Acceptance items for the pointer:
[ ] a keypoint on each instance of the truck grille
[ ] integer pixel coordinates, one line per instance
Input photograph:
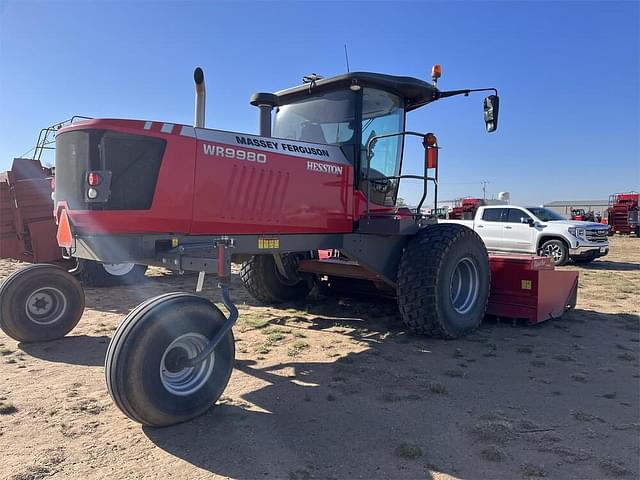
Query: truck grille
(596, 234)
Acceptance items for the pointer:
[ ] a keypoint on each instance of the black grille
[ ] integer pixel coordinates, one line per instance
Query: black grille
(133, 160)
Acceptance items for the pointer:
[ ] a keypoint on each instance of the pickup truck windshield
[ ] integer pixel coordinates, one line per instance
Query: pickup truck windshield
(545, 214)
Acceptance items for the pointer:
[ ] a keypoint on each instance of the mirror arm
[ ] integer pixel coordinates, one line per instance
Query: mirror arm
(385, 135)
(465, 92)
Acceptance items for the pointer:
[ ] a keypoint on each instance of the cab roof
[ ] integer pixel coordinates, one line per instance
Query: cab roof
(415, 92)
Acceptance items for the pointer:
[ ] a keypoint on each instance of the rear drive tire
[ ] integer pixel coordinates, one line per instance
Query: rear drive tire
(40, 302)
(556, 249)
(444, 281)
(96, 274)
(264, 283)
(137, 376)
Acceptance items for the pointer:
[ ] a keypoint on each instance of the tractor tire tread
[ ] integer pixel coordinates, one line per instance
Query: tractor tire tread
(419, 274)
(259, 279)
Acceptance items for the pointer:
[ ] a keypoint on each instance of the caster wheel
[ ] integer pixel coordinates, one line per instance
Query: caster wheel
(39, 303)
(142, 368)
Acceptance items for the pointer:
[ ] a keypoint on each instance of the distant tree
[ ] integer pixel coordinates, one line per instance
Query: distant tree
(400, 202)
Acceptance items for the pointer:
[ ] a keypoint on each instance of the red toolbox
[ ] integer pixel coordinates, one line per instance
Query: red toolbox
(529, 287)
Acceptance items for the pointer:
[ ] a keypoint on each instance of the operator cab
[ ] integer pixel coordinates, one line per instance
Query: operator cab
(363, 113)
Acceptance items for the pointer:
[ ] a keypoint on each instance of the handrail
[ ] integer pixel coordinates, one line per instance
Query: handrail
(425, 177)
(43, 137)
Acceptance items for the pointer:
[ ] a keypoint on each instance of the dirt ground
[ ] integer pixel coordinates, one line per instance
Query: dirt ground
(334, 388)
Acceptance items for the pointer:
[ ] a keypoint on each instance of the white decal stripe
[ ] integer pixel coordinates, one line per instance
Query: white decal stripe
(147, 125)
(167, 128)
(188, 131)
(279, 145)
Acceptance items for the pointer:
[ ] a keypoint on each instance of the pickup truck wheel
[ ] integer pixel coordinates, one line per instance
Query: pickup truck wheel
(39, 303)
(143, 368)
(264, 283)
(443, 281)
(96, 274)
(556, 249)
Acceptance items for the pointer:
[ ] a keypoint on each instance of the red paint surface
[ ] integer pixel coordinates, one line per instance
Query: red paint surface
(547, 298)
(207, 194)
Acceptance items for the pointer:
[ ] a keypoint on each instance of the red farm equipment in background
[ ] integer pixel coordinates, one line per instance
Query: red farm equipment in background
(27, 224)
(623, 213)
(466, 208)
(581, 215)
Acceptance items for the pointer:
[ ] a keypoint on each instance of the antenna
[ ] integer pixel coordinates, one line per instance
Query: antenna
(484, 189)
(346, 57)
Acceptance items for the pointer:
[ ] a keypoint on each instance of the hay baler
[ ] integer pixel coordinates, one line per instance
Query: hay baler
(27, 222)
(323, 173)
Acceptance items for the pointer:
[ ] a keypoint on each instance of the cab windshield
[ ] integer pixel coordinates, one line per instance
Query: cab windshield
(326, 119)
(330, 119)
(545, 214)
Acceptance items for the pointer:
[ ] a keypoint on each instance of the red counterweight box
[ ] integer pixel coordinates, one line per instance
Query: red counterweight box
(528, 287)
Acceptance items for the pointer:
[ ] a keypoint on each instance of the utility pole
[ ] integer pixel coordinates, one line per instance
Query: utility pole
(484, 189)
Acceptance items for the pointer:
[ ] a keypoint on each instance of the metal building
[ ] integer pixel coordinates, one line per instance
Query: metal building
(564, 207)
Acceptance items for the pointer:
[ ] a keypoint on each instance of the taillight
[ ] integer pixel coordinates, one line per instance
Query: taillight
(93, 179)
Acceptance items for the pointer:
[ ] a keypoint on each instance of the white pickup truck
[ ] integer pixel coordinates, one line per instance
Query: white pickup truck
(537, 230)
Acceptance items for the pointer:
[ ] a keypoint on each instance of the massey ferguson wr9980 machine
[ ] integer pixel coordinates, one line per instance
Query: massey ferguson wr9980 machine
(195, 199)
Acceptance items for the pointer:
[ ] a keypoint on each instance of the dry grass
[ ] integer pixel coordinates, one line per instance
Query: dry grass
(530, 470)
(409, 450)
(7, 408)
(492, 454)
(614, 467)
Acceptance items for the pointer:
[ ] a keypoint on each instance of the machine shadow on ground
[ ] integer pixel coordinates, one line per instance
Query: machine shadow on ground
(75, 350)
(607, 265)
(470, 412)
(320, 421)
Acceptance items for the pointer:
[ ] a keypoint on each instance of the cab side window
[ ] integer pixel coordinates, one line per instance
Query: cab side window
(516, 216)
(494, 215)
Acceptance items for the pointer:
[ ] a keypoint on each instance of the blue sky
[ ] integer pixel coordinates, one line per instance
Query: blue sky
(567, 72)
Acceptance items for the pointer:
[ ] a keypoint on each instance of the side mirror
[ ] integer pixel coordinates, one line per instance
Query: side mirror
(529, 221)
(491, 109)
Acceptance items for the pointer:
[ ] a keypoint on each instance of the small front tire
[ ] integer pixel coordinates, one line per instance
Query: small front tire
(138, 369)
(40, 302)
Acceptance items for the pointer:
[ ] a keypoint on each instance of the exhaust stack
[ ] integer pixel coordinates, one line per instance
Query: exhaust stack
(198, 78)
(265, 103)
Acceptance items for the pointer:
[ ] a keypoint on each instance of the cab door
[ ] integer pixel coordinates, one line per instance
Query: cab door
(518, 235)
(381, 158)
(490, 227)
